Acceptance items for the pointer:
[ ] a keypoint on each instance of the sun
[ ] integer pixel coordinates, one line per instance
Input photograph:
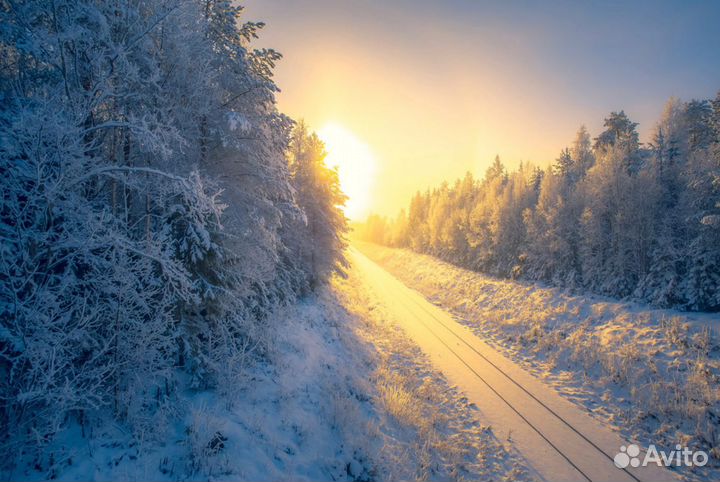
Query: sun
(356, 165)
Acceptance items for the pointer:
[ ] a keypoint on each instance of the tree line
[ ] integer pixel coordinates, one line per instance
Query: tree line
(156, 208)
(610, 215)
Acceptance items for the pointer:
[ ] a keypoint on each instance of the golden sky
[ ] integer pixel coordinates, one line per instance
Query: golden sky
(420, 92)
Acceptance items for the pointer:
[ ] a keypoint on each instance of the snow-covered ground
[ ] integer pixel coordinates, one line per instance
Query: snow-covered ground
(426, 428)
(654, 374)
(343, 394)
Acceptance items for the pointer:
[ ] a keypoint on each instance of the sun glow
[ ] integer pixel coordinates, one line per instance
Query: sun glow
(356, 165)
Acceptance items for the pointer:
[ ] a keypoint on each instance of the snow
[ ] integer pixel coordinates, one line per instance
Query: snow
(342, 394)
(429, 429)
(294, 418)
(653, 374)
(238, 122)
(558, 440)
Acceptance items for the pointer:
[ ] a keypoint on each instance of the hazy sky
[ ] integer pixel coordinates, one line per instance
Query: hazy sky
(435, 88)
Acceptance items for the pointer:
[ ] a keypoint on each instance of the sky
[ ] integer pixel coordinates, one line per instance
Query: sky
(407, 94)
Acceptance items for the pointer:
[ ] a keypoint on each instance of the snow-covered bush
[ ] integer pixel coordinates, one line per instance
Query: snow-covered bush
(205, 444)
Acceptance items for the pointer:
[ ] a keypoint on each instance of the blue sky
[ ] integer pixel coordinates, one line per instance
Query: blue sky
(444, 86)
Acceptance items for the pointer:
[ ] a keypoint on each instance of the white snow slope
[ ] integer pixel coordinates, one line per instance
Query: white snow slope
(652, 374)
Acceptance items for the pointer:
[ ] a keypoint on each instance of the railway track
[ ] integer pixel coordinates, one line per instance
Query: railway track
(560, 441)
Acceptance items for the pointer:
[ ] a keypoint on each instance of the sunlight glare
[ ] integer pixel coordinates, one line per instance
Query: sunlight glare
(356, 165)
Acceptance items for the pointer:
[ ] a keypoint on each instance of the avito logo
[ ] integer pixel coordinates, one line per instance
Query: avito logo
(680, 457)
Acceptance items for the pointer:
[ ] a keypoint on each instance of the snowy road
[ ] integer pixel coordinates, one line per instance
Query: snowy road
(559, 441)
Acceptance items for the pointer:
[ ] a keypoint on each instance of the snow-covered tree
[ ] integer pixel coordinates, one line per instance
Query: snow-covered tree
(581, 152)
(614, 217)
(145, 191)
(320, 236)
